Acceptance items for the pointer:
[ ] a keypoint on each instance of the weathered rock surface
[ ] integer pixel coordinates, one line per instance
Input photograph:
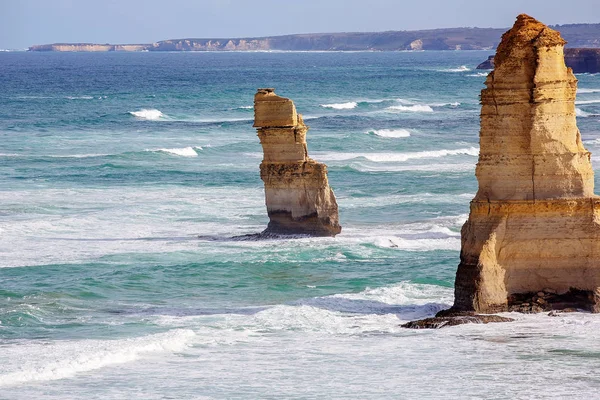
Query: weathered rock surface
(534, 224)
(298, 197)
(579, 60)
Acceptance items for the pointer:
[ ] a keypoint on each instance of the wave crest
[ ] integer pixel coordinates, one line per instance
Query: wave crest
(587, 90)
(390, 133)
(341, 106)
(150, 114)
(580, 113)
(183, 151)
(462, 68)
(413, 108)
(400, 157)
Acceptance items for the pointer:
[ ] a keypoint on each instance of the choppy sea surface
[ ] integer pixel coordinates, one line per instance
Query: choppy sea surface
(123, 178)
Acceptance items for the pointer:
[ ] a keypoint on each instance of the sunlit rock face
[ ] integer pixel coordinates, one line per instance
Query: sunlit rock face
(298, 197)
(534, 222)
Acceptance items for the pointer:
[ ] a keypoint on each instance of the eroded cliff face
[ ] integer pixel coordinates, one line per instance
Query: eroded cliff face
(534, 223)
(298, 197)
(88, 47)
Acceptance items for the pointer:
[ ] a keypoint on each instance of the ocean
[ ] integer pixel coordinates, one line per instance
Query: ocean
(125, 177)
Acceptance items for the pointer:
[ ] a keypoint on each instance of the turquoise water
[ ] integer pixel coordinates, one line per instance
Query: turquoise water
(123, 178)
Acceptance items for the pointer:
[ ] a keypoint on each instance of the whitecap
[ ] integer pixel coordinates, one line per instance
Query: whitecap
(588, 90)
(183, 151)
(413, 108)
(452, 104)
(65, 359)
(479, 74)
(428, 167)
(245, 107)
(341, 106)
(399, 157)
(580, 113)
(151, 114)
(390, 133)
(80, 97)
(462, 68)
(588, 101)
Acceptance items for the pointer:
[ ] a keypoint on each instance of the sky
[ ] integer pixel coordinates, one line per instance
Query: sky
(27, 22)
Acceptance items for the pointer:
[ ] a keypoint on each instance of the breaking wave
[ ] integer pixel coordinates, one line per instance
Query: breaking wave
(341, 106)
(48, 362)
(588, 90)
(478, 74)
(399, 157)
(390, 133)
(583, 114)
(413, 108)
(151, 114)
(183, 151)
(462, 68)
(587, 101)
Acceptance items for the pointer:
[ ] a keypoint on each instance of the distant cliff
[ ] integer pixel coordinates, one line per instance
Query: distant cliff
(89, 47)
(578, 35)
(580, 60)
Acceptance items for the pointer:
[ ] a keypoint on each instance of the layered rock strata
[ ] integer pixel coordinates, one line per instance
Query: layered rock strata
(534, 224)
(298, 197)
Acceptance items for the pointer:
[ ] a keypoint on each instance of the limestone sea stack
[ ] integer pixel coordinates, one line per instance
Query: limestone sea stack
(534, 224)
(298, 197)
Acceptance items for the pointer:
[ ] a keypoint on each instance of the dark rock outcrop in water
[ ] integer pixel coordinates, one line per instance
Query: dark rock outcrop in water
(580, 60)
(442, 320)
(578, 35)
(298, 197)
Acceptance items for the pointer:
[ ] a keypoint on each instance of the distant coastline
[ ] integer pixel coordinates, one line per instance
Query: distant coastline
(578, 35)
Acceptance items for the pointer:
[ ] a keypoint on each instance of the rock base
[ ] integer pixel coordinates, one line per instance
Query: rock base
(282, 223)
(450, 318)
(549, 300)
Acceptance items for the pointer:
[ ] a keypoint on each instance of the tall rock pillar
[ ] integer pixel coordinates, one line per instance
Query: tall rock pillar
(534, 223)
(298, 197)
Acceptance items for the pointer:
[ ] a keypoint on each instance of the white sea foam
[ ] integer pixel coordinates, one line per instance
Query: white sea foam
(403, 293)
(375, 310)
(390, 133)
(183, 151)
(588, 90)
(413, 108)
(587, 101)
(246, 107)
(80, 97)
(399, 157)
(341, 106)
(580, 113)
(462, 68)
(419, 244)
(428, 167)
(395, 199)
(479, 74)
(453, 104)
(48, 361)
(151, 114)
